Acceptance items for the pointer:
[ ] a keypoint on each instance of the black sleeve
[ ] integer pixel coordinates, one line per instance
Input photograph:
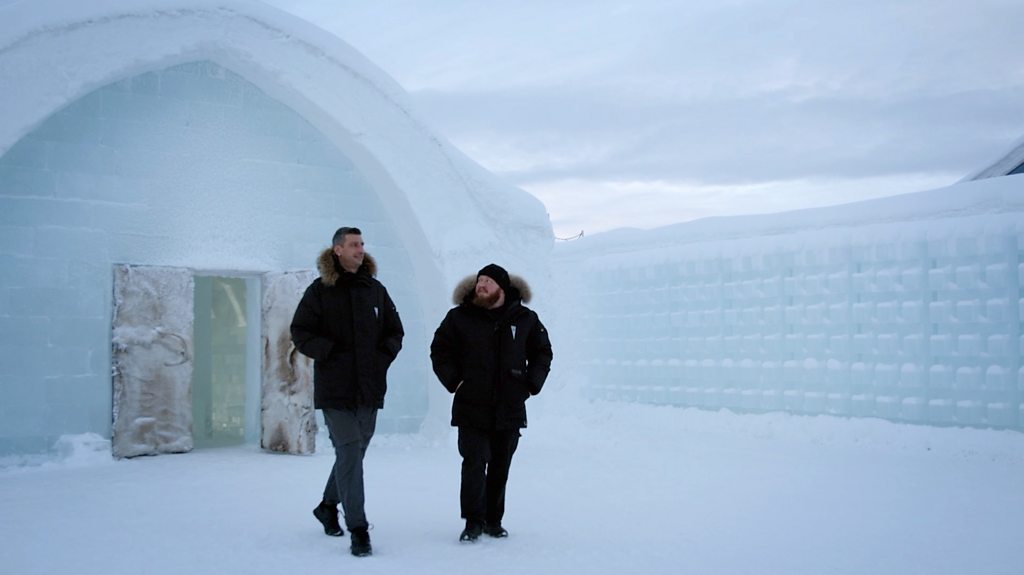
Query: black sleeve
(306, 325)
(539, 355)
(392, 331)
(444, 355)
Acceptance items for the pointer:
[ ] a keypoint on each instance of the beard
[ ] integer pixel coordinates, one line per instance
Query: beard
(486, 301)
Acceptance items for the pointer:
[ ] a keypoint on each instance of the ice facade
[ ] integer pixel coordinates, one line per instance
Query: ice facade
(189, 166)
(906, 308)
(229, 139)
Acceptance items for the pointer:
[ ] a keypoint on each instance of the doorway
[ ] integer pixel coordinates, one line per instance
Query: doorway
(226, 371)
(206, 360)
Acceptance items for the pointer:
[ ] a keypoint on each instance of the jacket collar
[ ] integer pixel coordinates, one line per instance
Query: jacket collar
(330, 269)
(464, 289)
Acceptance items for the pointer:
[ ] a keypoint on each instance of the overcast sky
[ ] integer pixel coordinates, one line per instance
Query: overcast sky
(639, 114)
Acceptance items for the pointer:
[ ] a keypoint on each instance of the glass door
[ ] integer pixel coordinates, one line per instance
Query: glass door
(222, 337)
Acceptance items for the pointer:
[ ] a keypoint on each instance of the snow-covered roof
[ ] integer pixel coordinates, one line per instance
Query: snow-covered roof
(53, 52)
(845, 223)
(1005, 165)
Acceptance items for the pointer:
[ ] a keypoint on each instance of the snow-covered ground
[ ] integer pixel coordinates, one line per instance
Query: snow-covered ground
(595, 488)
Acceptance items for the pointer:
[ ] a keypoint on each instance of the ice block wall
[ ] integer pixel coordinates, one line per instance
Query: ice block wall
(906, 309)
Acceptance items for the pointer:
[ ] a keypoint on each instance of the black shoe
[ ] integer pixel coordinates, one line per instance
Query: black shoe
(361, 542)
(328, 515)
(472, 531)
(495, 530)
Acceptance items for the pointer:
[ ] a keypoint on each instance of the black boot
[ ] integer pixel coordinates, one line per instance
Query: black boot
(472, 531)
(327, 514)
(360, 542)
(495, 530)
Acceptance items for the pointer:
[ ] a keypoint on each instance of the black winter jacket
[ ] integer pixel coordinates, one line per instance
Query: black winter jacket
(492, 360)
(348, 324)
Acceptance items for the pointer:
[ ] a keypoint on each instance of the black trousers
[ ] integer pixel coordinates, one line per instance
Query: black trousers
(486, 458)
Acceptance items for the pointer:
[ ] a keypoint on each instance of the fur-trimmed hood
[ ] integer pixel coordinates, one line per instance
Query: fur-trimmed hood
(330, 269)
(466, 286)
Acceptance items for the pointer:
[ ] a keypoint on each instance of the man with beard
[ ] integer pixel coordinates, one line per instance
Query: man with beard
(492, 353)
(348, 324)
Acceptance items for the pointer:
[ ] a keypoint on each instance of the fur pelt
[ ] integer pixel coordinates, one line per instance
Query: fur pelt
(329, 267)
(468, 284)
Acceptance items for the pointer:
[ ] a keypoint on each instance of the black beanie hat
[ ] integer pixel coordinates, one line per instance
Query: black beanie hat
(498, 274)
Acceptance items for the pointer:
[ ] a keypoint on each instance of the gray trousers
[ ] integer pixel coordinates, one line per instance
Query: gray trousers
(350, 431)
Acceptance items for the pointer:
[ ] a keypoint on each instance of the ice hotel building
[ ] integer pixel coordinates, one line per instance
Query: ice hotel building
(170, 169)
(169, 172)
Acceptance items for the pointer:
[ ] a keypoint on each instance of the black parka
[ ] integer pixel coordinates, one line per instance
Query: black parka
(492, 360)
(348, 324)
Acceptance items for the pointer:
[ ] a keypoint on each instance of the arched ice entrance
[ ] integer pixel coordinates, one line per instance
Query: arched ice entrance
(228, 139)
(189, 182)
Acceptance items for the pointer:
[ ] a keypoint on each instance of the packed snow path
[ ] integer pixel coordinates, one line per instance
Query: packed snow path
(595, 488)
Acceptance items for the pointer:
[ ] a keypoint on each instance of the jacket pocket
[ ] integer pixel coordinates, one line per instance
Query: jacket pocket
(474, 391)
(337, 368)
(519, 385)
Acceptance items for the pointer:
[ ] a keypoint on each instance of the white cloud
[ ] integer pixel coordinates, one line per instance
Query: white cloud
(726, 95)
